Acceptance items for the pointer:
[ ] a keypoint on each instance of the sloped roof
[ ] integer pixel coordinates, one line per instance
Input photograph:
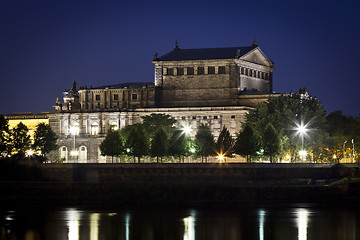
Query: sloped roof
(179, 54)
(127, 85)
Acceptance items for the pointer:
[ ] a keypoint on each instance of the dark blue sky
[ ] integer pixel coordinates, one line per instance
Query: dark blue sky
(45, 45)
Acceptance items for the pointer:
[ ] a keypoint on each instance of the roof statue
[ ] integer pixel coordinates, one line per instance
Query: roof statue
(176, 45)
(254, 43)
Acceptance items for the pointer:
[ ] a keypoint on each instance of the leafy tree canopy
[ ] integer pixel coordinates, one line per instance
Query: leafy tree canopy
(113, 144)
(204, 141)
(44, 139)
(247, 143)
(159, 144)
(154, 122)
(20, 138)
(225, 143)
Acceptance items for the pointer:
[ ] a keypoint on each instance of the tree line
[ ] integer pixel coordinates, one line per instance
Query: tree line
(16, 142)
(157, 137)
(270, 133)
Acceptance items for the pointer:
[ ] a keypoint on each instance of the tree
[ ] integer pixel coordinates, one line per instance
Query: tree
(225, 143)
(178, 143)
(247, 143)
(154, 122)
(137, 141)
(271, 142)
(159, 144)
(113, 144)
(4, 136)
(204, 141)
(20, 139)
(284, 113)
(44, 139)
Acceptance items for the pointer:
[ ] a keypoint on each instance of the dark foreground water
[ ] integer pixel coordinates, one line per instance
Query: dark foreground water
(170, 223)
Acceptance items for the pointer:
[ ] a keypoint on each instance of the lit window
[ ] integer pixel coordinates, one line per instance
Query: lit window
(94, 129)
(211, 70)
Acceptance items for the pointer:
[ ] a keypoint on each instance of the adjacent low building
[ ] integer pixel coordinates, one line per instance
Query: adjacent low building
(214, 86)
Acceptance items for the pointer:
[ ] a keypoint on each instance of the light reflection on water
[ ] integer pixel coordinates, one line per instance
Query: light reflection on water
(302, 223)
(183, 224)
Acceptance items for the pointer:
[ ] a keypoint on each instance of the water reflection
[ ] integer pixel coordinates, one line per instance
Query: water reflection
(177, 223)
(261, 224)
(73, 218)
(94, 226)
(127, 225)
(302, 223)
(189, 227)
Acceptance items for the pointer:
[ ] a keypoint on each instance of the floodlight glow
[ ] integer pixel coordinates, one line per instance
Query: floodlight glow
(74, 153)
(186, 129)
(29, 152)
(302, 129)
(74, 130)
(192, 150)
(221, 157)
(302, 153)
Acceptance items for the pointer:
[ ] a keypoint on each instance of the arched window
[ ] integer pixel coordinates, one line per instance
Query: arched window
(63, 153)
(94, 129)
(82, 154)
(114, 126)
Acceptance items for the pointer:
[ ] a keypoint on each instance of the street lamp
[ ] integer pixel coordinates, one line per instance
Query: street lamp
(186, 129)
(301, 129)
(352, 140)
(344, 150)
(74, 130)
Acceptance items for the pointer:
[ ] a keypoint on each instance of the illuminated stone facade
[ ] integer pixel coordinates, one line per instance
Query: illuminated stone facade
(28, 119)
(212, 86)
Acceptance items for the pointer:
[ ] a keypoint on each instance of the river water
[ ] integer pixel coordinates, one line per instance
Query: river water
(201, 223)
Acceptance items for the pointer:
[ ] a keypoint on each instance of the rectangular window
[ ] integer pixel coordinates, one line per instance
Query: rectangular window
(242, 70)
(180, 71)
(183, 118)
(204, 117)
(194, 117)
(211, 70)
(201, 70)
(221, 70)
(170, 71)
(134, 96)
(116, 97)
(190, 71)
(97, 97)
(215, 117)
(233, 116)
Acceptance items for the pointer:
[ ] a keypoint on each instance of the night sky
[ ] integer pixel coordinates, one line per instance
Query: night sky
(46, 45)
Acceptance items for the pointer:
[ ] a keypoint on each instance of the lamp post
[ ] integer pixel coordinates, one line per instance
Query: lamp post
(344, 158)
(74, 130)
(301, 129)
(352, 140)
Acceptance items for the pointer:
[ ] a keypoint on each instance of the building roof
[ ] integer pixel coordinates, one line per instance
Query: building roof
(179, 54)
(127, 85)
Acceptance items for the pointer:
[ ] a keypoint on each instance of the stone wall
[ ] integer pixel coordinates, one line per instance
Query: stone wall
(215, 174)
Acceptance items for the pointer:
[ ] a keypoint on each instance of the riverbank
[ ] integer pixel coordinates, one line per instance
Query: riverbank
(184, 184)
